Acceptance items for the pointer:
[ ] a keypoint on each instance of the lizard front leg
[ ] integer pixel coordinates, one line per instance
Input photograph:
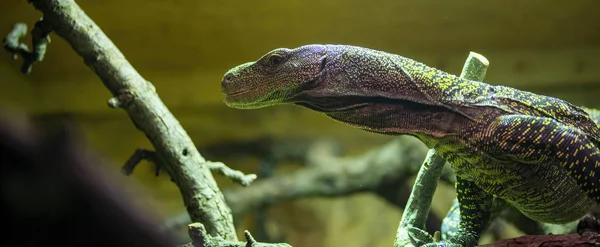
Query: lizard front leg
(451, 222)
(474, 206)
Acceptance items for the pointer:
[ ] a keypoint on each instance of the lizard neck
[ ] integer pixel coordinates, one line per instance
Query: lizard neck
(391, 117)
(391, 94)
(444, 88)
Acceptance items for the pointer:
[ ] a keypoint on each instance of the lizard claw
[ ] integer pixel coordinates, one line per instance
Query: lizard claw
(419, 237)
(442, 243)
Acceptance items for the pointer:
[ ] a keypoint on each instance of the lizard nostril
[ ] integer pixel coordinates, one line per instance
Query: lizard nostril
(227, 78)
(226, 83)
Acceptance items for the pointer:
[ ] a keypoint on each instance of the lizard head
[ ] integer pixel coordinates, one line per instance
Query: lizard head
(275, 78)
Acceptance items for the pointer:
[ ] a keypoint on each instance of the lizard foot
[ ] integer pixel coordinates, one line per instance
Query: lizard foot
(588, 224)
(442, 243)
(419, 237)
(451, 243)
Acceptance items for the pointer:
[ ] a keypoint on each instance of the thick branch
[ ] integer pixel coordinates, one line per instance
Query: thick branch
(571, 240)
(201, 239)
(188, 169)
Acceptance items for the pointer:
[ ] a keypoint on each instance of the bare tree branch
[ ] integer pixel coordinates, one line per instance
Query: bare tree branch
(201, 239)
(188, 169)
(335, 176)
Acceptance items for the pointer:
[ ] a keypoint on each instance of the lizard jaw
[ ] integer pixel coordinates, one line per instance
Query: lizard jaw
(242, 99)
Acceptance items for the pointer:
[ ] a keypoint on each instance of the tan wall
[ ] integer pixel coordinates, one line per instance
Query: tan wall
(184, 47)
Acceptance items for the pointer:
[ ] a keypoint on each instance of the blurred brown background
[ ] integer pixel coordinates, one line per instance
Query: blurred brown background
(184, 47)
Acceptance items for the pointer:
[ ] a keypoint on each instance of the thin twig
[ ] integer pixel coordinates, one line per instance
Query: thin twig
(139, 155)
(418, 205)
(234, 175)
(40, 36)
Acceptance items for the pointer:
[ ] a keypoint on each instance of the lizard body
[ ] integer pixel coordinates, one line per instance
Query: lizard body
(538, 153)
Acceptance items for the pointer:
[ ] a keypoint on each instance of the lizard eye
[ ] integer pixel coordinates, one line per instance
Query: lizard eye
(275, 60)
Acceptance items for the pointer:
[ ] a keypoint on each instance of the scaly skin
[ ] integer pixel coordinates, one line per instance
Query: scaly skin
(538, 153)
(451, 222)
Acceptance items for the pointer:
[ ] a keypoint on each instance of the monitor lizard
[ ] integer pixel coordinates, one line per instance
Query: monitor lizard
(538, 153)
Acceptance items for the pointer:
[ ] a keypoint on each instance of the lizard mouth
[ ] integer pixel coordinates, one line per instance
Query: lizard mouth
(240, 93)
(237, 93)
